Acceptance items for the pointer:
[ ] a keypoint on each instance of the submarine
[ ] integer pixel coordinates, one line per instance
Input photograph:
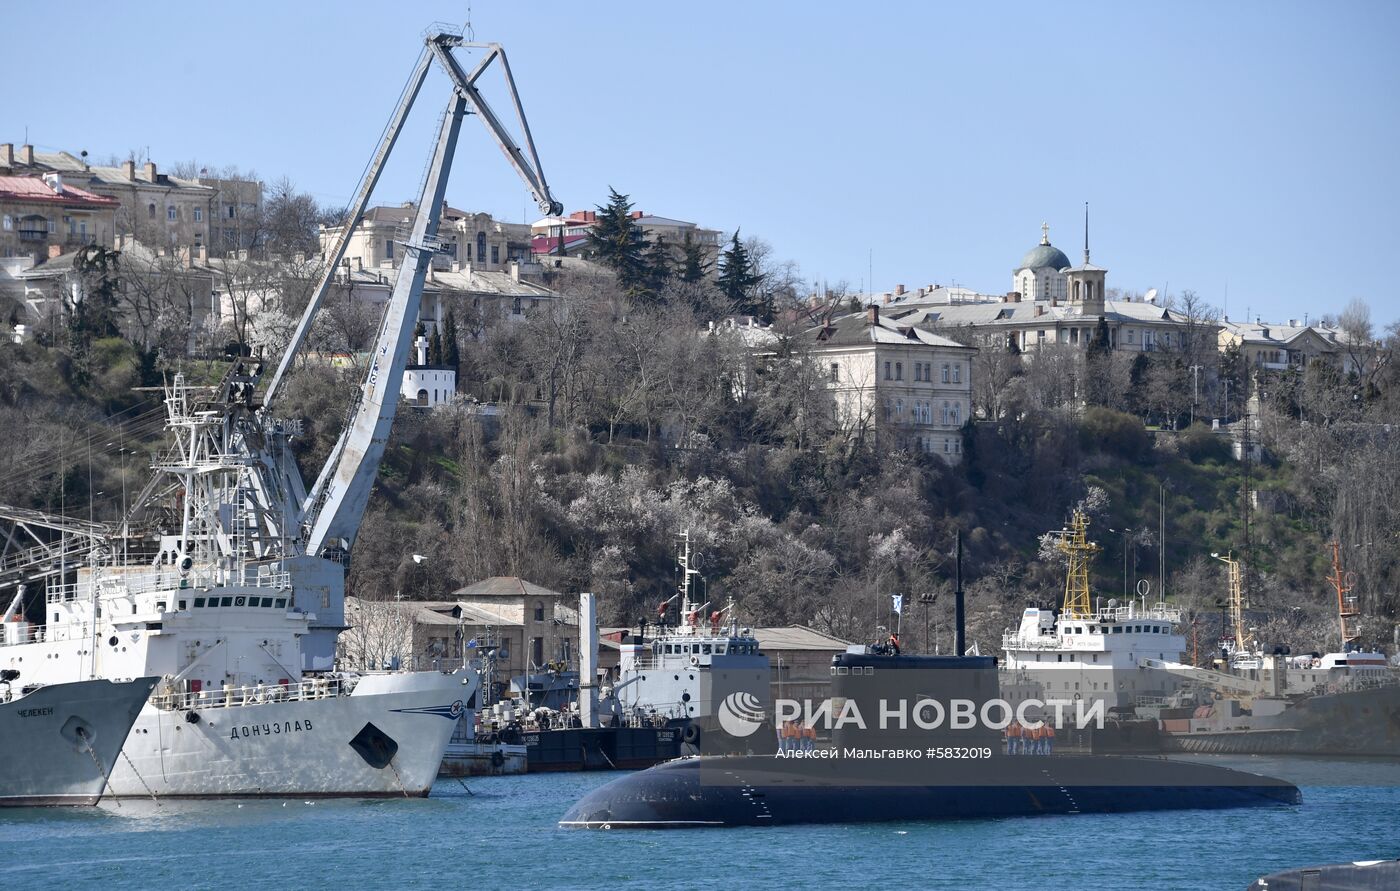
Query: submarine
(904, 766)
(774, 789)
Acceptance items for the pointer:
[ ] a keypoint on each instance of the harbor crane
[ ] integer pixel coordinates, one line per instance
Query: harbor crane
(329, 512)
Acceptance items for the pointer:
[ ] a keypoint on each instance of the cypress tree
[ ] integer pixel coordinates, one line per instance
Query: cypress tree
(452, 353)
(1099, 345)
(659, 268)
(694, 266)
(435, 348)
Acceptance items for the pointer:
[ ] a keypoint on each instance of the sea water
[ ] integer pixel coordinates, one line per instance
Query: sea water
(500, 832)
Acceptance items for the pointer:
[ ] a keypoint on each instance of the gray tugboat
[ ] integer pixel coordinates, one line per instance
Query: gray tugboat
(58, 743)
(664, 699)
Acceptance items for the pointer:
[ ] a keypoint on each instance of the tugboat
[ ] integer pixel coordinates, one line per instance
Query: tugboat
(899, 771)
(664, 698)
(684, 671)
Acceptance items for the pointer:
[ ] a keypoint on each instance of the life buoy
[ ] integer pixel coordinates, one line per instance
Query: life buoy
(497, 759)
(691, 734)
(1077, 697)
(694, 660)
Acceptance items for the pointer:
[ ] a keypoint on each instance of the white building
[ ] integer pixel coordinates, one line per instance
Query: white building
(905, 382)
(427, 386)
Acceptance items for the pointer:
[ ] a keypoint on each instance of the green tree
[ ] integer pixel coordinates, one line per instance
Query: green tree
(435, 348)
(94, 313)
(739, 281)
(694, 266)
(451, 349)
(616, 240)
(1098, 356)
(1100, 345)
(660, 268)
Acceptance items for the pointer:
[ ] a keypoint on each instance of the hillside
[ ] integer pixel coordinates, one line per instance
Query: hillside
(798, 524)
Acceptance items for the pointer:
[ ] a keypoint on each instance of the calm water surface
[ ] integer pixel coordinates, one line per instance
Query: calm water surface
(500, 832)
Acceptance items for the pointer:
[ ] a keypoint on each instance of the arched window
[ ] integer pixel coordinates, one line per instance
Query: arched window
(1076, 290)
(151, 211)
(481, 247)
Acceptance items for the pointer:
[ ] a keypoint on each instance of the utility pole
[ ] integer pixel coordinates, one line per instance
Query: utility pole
(1195, 389)
(1162, 540)
(959, 630)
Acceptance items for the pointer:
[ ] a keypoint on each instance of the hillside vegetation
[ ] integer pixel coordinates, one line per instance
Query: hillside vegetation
(614, 425)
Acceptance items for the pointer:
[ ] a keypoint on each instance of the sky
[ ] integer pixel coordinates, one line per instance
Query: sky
(1243, 150)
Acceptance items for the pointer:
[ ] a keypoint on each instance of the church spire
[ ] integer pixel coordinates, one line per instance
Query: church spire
(1086, 233)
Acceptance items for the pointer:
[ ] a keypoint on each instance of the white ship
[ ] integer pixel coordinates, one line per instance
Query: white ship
(1088, 651)
(243, 706)
(226, 577)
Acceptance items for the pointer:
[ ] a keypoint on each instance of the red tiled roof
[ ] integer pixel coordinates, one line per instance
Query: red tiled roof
(547, 244)
(33, 190)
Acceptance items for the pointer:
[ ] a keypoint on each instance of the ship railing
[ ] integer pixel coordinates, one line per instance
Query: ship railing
(174, 580)
(11, 634)
(255, 694)
(1159, 611)
(670, 661)
(1017, 642)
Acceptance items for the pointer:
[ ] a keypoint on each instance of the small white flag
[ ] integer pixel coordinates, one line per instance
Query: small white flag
(898, 603)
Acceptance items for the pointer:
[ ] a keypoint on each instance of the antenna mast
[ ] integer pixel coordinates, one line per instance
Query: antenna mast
(1342, 583)
(1074, 542)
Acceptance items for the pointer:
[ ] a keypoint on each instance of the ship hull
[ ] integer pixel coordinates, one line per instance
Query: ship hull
(304, 748)
(767, 791)
(45, 761)
(1359, 722)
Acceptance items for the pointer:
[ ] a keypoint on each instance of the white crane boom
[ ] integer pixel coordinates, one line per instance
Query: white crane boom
(334, 506)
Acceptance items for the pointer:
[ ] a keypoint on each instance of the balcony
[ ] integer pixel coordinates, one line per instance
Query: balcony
(33, 234)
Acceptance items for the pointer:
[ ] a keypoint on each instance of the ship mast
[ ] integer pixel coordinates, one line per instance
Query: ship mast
(1236, 599)
(1342, 583)
(1074, 542)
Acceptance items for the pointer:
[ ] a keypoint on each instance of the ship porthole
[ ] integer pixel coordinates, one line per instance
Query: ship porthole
(112, 641)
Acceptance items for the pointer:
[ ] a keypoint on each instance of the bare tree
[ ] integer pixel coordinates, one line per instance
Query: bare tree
(378, 633)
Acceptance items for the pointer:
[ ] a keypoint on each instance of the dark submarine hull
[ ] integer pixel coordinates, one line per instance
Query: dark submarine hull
(719, 791)
(899, 770)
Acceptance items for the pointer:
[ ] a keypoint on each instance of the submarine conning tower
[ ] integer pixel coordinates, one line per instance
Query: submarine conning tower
(886, 690)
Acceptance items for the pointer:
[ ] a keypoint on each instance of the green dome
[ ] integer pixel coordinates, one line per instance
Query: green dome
(1042, 256)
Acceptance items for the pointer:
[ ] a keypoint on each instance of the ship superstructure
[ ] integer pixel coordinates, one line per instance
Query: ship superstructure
(685, 670)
